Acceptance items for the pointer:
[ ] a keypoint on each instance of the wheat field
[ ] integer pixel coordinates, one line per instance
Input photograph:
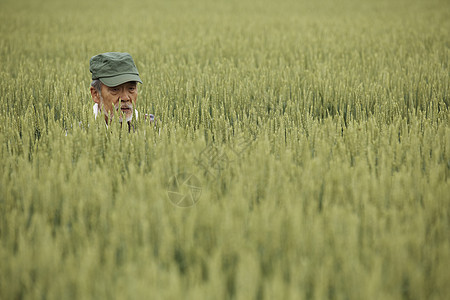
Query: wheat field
(310, 139)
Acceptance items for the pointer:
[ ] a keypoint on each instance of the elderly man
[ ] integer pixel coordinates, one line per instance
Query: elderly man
(114, 86)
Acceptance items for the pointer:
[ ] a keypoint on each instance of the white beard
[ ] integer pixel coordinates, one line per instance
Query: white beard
(96, 109)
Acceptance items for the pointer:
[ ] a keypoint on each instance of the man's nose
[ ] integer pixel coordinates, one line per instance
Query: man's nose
(125, 96)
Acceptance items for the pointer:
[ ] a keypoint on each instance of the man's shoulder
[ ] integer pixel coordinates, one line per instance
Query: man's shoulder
(149, 117)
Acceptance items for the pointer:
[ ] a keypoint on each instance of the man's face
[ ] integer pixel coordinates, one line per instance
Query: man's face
(119, 99)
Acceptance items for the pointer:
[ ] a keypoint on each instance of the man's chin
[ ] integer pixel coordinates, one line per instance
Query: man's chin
(128, 117)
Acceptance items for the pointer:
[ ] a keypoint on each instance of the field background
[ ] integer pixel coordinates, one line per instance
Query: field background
(339, 111)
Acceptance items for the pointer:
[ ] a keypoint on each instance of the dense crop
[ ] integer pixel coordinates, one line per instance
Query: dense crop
(318, 132)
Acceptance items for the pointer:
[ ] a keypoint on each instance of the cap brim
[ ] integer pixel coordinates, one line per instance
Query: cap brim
(119, 79)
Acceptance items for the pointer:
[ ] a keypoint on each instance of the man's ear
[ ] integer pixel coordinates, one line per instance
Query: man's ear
(95, 95)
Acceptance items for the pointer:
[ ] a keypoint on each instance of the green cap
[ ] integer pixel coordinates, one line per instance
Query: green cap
(113, 68)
